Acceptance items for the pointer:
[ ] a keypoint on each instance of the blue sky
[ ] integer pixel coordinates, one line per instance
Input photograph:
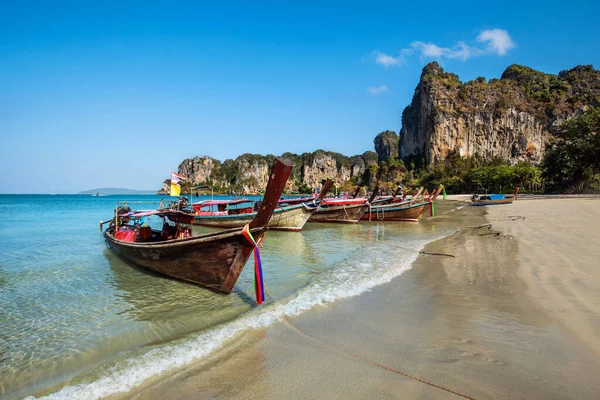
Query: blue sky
(116, 94)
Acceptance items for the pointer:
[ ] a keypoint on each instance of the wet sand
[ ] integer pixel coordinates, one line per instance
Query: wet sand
(516, 314)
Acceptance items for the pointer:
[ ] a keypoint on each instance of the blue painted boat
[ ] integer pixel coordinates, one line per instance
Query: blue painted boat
(492, 199)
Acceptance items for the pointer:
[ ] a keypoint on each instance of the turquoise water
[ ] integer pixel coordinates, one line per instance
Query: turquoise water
(77, 321)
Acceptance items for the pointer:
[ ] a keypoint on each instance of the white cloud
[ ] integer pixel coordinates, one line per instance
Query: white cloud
(498, 41)
(377, 89)
(386, 60)
(461, 50)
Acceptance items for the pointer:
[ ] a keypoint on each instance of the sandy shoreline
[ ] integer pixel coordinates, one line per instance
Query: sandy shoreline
(514, 315)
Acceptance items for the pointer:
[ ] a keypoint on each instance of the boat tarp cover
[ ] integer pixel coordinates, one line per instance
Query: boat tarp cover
(340, 202)
(175, 216)
(296, 200)
(208, 203)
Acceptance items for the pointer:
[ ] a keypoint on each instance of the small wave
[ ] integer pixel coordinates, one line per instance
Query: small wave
(347, 279)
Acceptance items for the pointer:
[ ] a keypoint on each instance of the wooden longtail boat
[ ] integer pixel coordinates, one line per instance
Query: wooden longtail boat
(395, 212)
(214, 260)
(411, 210)
(289, 218)
(346, 211)
(493, 199)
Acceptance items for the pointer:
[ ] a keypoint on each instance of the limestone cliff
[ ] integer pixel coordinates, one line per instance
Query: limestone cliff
(510, 118)
(197, 169)
(386, 145)
(249, 173)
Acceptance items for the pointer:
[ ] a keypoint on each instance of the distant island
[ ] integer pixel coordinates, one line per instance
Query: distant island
(111, 191)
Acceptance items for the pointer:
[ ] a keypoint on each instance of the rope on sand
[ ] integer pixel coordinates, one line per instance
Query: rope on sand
(488, 226)
(287, 321)
(510, 217)
(425, 253)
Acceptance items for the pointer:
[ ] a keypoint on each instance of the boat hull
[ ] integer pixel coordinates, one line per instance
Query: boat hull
(290, 218)
(392, 212)
(214, 261)
(346, 214)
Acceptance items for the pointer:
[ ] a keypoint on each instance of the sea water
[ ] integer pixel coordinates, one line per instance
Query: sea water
(76, 321)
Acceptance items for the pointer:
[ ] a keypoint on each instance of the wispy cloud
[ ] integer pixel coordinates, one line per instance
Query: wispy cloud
(461, 51)
(386, 60)
(377, 89)
(489, 41)
(389, 61)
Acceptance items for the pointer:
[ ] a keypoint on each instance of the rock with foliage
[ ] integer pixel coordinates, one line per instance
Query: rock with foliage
(198, 169)
(249, 173)
(510, 118)
(386, 145)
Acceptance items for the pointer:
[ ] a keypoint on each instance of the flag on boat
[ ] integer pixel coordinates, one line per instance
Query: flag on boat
(175, 189)
(176, 178)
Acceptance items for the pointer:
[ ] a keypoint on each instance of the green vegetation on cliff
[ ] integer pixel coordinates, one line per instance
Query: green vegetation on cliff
(522, 88)
(572, 160)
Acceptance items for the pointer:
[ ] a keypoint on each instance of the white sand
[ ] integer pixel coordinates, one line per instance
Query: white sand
(514, 315)
(559, 259)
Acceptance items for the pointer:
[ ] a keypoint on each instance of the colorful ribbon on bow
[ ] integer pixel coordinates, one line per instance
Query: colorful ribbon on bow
(443, 192)
(259, 286)
(432, 208)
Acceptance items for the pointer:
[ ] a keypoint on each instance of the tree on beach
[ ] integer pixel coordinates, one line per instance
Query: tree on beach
(572, 160)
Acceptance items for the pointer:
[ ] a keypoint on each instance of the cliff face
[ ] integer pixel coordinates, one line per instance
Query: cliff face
(249, 173)
(511, 118)
(198, 169)
(386, 145)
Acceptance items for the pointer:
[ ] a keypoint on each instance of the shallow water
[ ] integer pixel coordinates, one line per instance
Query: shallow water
(74, 314)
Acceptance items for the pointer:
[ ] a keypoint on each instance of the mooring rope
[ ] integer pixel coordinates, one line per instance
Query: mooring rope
(425, 253)
(287, 321)
(511, 218)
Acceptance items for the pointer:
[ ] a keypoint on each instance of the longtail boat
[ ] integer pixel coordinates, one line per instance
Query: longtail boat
(493, 199)
(411, 210)
(213, 260)
(347, 211)
(394, 212)
(290, 217)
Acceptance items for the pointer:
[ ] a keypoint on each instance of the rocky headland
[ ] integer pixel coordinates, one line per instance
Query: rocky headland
(511, 118)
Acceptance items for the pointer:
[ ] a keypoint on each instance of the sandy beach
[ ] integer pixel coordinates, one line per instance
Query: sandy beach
(516, 314)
